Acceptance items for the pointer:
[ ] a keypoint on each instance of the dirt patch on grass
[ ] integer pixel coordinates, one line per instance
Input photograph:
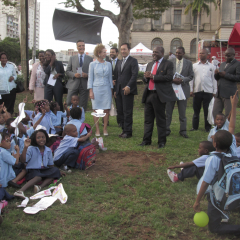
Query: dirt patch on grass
(110, 164)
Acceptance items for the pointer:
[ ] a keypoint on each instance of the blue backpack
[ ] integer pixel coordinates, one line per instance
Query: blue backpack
(225, 187)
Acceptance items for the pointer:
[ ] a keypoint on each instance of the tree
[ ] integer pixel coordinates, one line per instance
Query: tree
(9, 3)
(111, 44)
(129, 9)
(198, 6)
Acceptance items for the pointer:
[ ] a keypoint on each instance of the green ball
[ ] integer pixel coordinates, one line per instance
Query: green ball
(201, 219)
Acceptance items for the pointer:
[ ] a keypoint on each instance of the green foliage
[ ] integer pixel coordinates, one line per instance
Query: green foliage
(198, 6)
(149, 8)
(20, 78)
(9, 3)
(111, 44)
(140, 75)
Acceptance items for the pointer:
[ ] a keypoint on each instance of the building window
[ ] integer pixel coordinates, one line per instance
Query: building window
(177, 18)
(193, 46)
(176, 42)
(156, 42)
(195, 20)
(238, 11)
(159, 21)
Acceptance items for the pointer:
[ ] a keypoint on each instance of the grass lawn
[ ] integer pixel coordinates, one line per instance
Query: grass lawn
(119, 200)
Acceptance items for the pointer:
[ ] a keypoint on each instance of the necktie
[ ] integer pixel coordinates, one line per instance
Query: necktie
(178, 67)
(81, 62)
(123, 62)
(151, 82)
(113, 64)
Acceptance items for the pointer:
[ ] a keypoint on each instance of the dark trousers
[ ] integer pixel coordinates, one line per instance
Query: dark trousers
(182, 105)
(68, 158)
(125, 111)
(118, 119)
(199, 98)
(215, 226)
(9, 100)
(220, 104)
(154, 108)
(192, 171)
(56, 91)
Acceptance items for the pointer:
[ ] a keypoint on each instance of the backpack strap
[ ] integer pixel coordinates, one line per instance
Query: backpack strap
(85, 125)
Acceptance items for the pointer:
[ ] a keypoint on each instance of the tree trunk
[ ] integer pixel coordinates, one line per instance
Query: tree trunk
(198, 17)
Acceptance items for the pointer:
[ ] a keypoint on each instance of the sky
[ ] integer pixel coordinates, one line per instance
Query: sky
(47, 40)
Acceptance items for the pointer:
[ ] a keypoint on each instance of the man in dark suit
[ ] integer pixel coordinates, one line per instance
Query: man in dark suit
(227, 77)
(159, 77)
(77, 83)
(183, 67)
(125, 89)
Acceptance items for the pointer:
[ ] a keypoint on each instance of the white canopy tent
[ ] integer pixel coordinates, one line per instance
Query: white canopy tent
(140, 50)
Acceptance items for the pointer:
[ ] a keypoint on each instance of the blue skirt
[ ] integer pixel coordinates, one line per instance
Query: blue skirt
(102, 97)
(52, 172)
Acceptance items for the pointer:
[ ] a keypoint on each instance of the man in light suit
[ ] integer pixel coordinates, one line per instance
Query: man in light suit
(183, 67)
(158, 91)
(77, 83)
(125, 89)
(227, 76)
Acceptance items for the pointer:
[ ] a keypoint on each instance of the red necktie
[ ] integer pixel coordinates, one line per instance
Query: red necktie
(151, 82)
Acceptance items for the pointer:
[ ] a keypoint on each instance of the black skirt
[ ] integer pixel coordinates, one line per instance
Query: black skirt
(18, 168)
(52, 172)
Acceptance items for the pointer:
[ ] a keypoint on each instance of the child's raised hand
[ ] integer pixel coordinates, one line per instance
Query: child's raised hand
(171, 167)
(234, 99)
(16, 148)
(43, 111)
(4, 109)
(27, 142)
(25, 100)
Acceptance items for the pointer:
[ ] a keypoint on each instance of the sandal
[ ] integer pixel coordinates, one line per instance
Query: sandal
(36, 189)
(19, 194)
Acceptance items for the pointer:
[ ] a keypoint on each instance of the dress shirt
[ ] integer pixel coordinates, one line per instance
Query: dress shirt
(181, 64)
(159, 62)
(203, 80)
(115, 60)
(83, 55)
(5, 73)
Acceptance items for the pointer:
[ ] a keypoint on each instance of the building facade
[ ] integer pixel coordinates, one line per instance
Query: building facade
(174, 28)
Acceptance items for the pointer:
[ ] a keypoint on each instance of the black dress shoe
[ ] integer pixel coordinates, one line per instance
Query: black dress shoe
(207, 130)
(120, 135)
(168, 133)
(125, 135)
(193, 129)
(161, 145)
(184, 135)
(144, 144)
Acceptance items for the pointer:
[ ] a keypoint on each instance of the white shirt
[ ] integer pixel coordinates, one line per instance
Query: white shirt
(79, 55)
(203, 78)
(159, 62)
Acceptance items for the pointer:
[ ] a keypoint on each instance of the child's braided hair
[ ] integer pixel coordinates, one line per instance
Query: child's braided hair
(40, 104)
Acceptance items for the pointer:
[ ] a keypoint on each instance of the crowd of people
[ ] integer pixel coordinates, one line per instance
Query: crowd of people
(28, 154)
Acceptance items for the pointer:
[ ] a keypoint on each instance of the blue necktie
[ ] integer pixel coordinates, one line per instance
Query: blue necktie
(81, 62)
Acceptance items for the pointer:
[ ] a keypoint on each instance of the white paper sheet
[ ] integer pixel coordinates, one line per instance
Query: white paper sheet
(79, 70)
(24, 202)
(42, 194)
(51, 81)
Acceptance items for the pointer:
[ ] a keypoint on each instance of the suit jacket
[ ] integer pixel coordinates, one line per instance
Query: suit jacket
(128, 75)
(187, 73)
(227, 85)
(114, 72)
(73, 65)
(163, 82)
(59, 69)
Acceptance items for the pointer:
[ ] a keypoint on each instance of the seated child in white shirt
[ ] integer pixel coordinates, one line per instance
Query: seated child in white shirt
(194, 168)
(66, 154)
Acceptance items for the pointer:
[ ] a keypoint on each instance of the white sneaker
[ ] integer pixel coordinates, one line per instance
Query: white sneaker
(172, 175)
(36, 189)
(19, 194)
(181, 163)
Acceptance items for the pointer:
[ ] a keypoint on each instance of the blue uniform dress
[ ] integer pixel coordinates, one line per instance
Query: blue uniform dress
(6, 163)
(78, 125)
(37, 164)
(82, 119)
(46, 121)
(100, 80)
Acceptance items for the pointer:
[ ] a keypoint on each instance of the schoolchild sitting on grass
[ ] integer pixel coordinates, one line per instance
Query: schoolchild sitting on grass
(194, 168)
(74, 101)
(224, 143)
(76, 114)
(9, 175)
(66, 154)
(39, 162)
(4, 115)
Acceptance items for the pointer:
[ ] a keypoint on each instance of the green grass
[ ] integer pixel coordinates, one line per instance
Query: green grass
(144, 206)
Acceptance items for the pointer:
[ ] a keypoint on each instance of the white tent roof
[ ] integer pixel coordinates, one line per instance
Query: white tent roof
(140, 49)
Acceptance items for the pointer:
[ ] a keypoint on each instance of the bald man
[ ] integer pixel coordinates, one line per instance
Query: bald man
(227, 76)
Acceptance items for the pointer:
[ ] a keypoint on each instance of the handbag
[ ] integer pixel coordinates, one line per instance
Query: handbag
(19, 88)
(113, 111)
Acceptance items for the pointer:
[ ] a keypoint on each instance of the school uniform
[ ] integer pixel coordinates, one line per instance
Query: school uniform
(66, 153)
(2, 127)
(196, 170)
(37, 164)
(29, 113)
(214, 130)
(46, 122)
(82, 119)
(20, 143)
(238, 152)
(6, 171)
(30, 131)
(78, 125)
